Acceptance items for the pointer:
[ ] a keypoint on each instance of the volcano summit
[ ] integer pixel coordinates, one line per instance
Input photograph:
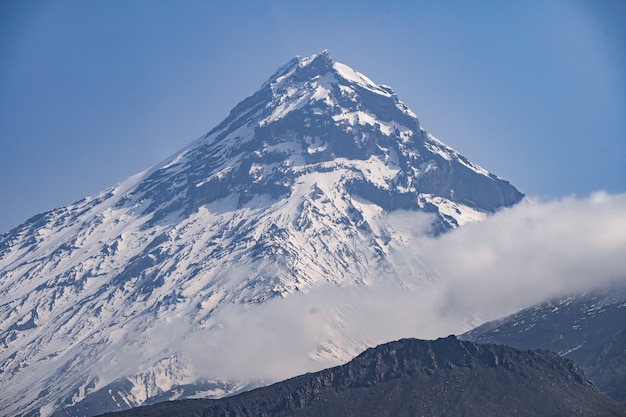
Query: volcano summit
(320, 178)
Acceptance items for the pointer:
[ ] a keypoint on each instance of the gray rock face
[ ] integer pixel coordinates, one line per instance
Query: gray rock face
(445, 377)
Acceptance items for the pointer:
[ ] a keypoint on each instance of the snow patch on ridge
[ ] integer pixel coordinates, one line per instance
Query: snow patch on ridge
(447, 153)
(356, 77)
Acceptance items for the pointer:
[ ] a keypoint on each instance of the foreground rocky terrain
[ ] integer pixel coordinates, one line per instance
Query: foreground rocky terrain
(410, 377)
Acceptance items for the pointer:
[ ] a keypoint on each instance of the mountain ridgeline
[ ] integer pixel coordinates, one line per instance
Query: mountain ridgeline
(315, 115)
(295, 190)
(410, 377)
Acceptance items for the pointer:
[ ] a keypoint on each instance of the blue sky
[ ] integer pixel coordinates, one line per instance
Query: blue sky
(93, 92)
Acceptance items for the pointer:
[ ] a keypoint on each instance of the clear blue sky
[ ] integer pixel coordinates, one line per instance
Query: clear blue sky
(92, 92)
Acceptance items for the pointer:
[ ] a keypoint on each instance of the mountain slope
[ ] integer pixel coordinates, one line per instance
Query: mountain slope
(589, 329)
(301, 186)
(411, 377)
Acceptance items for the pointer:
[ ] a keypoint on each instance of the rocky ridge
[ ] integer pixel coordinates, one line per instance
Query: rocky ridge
(445, 377)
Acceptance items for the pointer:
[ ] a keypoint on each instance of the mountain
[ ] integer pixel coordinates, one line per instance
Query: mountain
(145, 291)
(589, 329)
(410, 377)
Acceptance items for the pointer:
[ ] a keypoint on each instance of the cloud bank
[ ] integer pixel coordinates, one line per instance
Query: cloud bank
(516, 258)
(531, 252)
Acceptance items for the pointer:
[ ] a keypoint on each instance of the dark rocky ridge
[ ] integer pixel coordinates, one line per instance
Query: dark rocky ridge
(410, 377)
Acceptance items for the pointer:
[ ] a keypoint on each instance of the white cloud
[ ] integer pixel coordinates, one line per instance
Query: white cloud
(533, 251)
(516, 258)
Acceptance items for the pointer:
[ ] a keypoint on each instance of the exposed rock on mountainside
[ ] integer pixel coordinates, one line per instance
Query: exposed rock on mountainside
(589, 329)
(445, 377)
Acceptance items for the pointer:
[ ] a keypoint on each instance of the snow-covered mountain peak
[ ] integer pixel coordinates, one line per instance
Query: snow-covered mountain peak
(316, 114)
(324, 77)
(300, 187)
(301, 68)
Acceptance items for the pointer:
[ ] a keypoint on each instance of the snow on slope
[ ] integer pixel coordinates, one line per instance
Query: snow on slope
(321, 178)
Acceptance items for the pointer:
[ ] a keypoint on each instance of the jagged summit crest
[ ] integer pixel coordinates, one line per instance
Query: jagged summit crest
(302, 69)
(323, 62)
